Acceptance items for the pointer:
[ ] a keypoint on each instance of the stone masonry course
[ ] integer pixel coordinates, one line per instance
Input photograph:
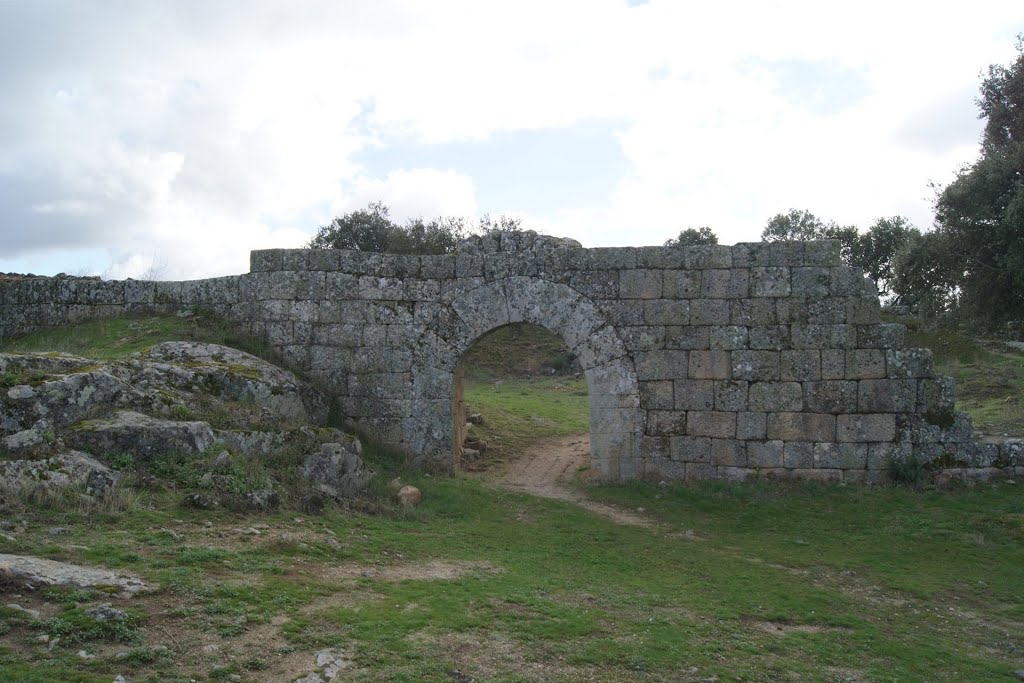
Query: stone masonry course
(710, 361)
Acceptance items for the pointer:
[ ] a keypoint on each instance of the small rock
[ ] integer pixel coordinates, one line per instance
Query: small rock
(53, 643)
(410, 496)
(263, 500)
(106, 612)
(99, 483)
(121, 654)
(211, 649)
(119, 679)
(43, 638)
(247, 531)
(82, 654)
(1019, 673)
(24, 610)
(200, 501)
(57, 531)
(222, 461)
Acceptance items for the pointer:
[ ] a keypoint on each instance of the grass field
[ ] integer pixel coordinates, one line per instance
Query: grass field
(729, 582)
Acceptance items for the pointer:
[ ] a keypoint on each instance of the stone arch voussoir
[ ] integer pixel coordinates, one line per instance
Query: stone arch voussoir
(616, 420)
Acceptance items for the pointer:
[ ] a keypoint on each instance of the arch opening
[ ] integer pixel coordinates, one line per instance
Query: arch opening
(514, 386)
(615, 419)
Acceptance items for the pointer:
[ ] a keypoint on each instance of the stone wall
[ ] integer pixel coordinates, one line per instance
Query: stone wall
(706, 361)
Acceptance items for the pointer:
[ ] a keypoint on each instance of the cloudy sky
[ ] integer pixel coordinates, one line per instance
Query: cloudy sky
(176, 136)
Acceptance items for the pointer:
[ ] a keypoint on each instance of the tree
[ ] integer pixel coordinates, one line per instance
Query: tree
(876, 250)
(701, 235)
(799, 225)
(371, 229)
(980, 215)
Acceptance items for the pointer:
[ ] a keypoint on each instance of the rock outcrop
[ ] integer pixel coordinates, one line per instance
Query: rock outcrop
(61, 415)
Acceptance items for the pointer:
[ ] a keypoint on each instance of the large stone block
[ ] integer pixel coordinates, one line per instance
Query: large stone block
(936, 395)
(701, 256)
(730, 395)
(643, 337)
(833, 364)
(661, 365)
(821, 253)
(887, 395)
(862, 428)
(865, 364)
(798, 455)
(755, 366)
(764, 453)
(753, 312)
(731, 283)
(660, 257)
(710, 365)
(812, 336)
(666, 312)
(749, 254)
(769, 337)
(811, 281)
(728, 337)
(881, 336)
(776, 397)
(770, 282)
(800, 366)
(714, 424)
(666, 422)
(728, 453)
(656, 395)
(801, 427)
(640, 284)
(907, 363)
(690, 449)
(844, 456)
(751, 425)
(830, 396)
(681, 284)
(598, 284)
(696, 337)
(694, 394)
(709, 312)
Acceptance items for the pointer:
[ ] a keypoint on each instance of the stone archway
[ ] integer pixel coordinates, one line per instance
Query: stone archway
(616, 420)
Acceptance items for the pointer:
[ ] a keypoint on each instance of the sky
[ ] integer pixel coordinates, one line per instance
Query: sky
(144, 138)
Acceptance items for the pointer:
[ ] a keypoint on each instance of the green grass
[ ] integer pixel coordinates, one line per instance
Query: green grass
(744, 582)
(730, 582)
(989, 377)
(119, 337)
(519, 411)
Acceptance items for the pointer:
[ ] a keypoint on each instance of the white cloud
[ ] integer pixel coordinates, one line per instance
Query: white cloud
(197, 131)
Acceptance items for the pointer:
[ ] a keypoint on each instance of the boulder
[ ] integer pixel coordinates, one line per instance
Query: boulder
(140, 435)
(63, 471)
(232, 375)
(409, 496)
(335, 471)
(23, 570)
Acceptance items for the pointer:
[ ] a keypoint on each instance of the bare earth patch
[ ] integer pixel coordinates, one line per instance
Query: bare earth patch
(547, 466)
(435, 570)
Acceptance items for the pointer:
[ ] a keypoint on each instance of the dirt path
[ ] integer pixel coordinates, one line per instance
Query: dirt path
(547, 467)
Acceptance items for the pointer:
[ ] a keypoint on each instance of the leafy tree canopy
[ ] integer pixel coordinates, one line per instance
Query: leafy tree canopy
(980, 215)
(372, 229)
(701, 235)
(873, 251)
